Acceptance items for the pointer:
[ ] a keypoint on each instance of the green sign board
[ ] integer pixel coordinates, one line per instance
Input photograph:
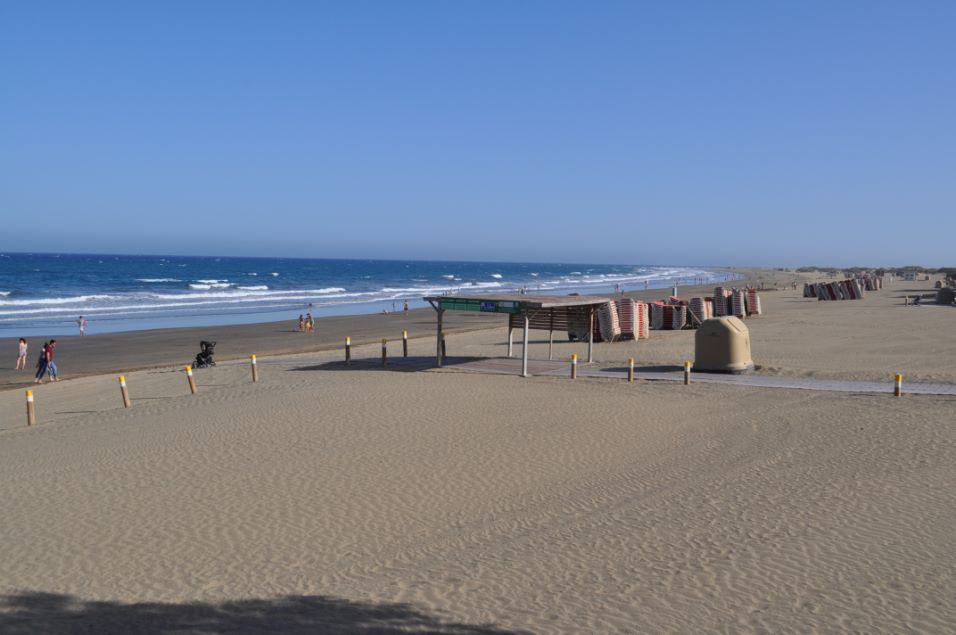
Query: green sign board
(485, 306)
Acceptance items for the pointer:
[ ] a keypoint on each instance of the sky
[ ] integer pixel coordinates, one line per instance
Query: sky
(720, 133)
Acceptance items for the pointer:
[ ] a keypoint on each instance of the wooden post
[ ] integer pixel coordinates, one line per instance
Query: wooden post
(192, 380)
(551, 337)
(510, 338)
(591, 336)
(348, 349)
(906, 300)
(898, 388)
(574, 366)
(630, 370)
(444, 349)
(255, 368)
(384, 351)
(687, 373)
(524, 346)
(438, 346)
(124, 391)
(31, 410)
(404, 343)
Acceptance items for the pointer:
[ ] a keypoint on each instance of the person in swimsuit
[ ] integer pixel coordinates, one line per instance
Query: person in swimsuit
(22, 358)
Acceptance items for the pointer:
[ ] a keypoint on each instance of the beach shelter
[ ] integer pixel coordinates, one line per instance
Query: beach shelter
(525, 312)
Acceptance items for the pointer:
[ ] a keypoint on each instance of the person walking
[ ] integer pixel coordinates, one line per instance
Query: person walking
(82, 324)
(405, 308)
(301, 323)
(51, 365)
(41, 365)
(22, 357)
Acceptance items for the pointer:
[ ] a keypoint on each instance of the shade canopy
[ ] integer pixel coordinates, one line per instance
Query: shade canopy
(543, 312)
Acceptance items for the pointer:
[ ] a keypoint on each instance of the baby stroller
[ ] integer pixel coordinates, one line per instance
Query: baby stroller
(204, 358)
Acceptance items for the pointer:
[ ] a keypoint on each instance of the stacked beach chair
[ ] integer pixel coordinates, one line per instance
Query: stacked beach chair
(697, 311)
(669, 317)
(633, 318)
(642, 321)
(625, 316)
(720, 301)
(753, 302)
(737, 306)
(607, 327)
(850, 289)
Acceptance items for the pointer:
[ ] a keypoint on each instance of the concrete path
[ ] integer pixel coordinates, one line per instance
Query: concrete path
(560, 369)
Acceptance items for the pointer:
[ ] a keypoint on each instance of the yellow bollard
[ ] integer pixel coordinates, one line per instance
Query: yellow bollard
(574, 366)
(192, 380)
(348, 349)
(404, 343)
(124, 391)
(255, 368)
(630, 369)
(31, 410)
(898, 389)
(686, 373)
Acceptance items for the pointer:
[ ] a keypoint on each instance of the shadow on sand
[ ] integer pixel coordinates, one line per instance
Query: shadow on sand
(34, 612)
(395, 364)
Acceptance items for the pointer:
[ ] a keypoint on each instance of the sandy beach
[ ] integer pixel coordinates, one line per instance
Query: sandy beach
(355, 499)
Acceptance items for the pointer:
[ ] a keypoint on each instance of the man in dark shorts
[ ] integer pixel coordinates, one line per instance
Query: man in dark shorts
(42, 364)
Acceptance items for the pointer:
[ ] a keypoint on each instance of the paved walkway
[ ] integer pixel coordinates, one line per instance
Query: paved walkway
(502, 365)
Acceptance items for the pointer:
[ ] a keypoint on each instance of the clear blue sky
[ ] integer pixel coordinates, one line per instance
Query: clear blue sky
(673, 132)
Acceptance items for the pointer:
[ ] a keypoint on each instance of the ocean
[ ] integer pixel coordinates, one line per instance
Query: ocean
(46, 293)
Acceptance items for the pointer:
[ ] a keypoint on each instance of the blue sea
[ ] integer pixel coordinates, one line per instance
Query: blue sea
(46, 293)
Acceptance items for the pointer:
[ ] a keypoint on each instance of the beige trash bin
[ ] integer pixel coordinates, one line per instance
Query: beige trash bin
(722, 345)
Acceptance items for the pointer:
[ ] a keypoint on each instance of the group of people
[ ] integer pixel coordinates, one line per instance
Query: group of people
(45, 363)
(306, 323)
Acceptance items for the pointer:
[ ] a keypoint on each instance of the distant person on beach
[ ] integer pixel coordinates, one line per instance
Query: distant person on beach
(309, 323)
(22, 357)
(50, 364)
(405, 308)
(42, 362)
(301, 323)
(82, 324)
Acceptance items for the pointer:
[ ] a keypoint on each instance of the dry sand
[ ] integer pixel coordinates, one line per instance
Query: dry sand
(344, 500)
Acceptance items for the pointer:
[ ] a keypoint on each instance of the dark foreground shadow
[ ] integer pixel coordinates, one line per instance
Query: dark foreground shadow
(394, 364)
(33, 612)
